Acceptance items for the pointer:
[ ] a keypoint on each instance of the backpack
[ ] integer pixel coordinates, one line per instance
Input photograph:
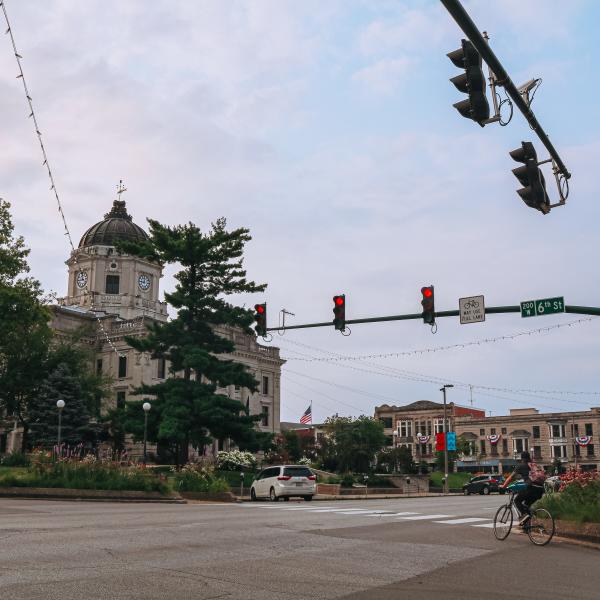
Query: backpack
(537, 475)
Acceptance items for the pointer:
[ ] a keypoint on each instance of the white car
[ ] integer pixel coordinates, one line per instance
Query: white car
(284, 482)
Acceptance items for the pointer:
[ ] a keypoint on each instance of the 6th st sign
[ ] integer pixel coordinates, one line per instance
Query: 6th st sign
(545, 306)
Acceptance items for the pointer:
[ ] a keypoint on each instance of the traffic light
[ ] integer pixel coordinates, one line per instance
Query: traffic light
(533, 192)
(260, 316)
(428, 304)
(471, 82)
(339, 310)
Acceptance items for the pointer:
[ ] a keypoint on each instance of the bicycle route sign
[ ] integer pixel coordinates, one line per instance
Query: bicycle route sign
(545, 306)
(471, 309)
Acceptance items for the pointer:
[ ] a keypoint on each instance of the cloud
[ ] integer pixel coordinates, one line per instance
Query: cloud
(384, 76)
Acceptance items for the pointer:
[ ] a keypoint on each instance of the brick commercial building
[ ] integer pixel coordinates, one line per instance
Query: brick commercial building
(495, 443)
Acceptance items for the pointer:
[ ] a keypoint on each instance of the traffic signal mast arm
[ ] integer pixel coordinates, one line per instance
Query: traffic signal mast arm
(464, 21)
(489, 310)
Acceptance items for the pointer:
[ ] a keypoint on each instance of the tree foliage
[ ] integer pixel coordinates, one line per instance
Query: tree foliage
(188, 408)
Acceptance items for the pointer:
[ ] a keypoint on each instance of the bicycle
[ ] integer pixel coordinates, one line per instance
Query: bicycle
(539, 527)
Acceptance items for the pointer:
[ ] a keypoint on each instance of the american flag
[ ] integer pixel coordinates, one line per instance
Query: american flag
(307, 416)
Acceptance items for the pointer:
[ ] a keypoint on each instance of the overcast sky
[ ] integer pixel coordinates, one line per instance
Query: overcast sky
(327, 128)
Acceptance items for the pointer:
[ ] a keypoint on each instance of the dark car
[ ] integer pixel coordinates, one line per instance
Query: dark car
(484, 484)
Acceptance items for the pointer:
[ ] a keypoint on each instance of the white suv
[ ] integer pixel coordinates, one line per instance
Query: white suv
(284, 482)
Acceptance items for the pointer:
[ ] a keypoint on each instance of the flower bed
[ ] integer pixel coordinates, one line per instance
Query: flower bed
(199, 478)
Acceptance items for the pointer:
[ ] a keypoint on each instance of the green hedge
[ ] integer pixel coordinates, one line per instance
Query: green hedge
(575, 503)
(85, 476)
(455, 480)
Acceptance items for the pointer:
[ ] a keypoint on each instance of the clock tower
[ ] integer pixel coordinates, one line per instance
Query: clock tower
(101, 279)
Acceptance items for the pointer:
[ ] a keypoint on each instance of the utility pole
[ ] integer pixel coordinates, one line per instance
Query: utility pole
(443, 390)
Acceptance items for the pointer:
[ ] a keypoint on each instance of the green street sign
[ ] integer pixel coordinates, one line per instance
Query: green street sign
(545, 306)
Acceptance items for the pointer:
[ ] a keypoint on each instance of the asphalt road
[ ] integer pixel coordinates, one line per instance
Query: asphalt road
(378, 549)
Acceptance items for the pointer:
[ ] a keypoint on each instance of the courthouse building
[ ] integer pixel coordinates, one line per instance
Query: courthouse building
(116, 295)
(495, 443)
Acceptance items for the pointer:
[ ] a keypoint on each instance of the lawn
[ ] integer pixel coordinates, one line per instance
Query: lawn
(455, 480)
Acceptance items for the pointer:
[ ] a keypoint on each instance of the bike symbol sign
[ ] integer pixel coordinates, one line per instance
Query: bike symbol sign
(471, 309)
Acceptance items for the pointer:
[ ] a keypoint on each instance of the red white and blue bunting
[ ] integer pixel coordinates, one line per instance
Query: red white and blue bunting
(423, 439)
(583, 440)
(494, 439)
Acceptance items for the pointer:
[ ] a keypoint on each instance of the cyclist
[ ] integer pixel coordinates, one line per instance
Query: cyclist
(530, 473)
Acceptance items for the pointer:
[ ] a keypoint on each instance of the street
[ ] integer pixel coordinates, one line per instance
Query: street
(433, 547)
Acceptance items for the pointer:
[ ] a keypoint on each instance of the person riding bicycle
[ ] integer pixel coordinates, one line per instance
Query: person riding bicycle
(534, 478)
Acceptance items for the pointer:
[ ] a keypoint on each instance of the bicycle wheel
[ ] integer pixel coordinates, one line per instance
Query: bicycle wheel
(503, 522)
(540, 527)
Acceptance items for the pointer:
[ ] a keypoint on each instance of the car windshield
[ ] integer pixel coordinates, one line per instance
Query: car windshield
(297, 472)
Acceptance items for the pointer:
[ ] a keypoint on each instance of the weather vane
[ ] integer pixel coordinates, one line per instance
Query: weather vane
(121, 188)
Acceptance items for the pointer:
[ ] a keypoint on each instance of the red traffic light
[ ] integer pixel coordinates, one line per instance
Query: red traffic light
(427, 292)
(260, 308)
(339, 300)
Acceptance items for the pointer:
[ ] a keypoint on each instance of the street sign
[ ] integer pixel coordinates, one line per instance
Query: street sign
(472, 309)
(451, 441)
(545, 306)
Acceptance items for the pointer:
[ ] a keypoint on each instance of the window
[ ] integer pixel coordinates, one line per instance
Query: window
(120, 399)
(590, 449)
(405, 428)
(122, 366)
(112, 284)
(577, 450)
(520, 445)
(387, 422)
(482, 432)
(588, 429)
(504, 430)
(482, 446)
(537, 452)
(409, 446)
(161, 368)
(265, 385)
(493, 431)
(389, 440)
(504, 446)
(99, 367)
(265, 416)
(574, 428)
(557, 431)
(236, 388)
(439, 425)
(558, 451)
(536, 432)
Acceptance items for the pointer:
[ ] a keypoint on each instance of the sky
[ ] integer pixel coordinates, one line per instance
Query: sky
(327, 129)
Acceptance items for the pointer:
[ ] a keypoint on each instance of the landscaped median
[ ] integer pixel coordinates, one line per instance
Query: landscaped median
(576, 507)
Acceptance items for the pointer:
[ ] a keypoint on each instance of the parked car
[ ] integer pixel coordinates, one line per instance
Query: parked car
(285, 482)
(484, 484)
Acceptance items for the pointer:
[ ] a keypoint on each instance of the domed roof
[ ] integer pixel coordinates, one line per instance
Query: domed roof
(117, 225)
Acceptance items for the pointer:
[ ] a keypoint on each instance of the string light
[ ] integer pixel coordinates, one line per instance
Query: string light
(46, 163)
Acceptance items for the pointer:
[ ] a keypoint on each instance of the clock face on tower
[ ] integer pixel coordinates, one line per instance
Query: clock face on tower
(144, 282)
(81, 279)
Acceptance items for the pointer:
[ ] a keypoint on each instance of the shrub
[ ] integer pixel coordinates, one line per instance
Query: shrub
(233, 460)
(15, 459)
(197, 478)
(305, 461)
(577, 501)
(347, 480)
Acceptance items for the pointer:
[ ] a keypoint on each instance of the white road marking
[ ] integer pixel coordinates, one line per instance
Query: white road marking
(425, 517)
(488, 525)
(461, 521)
(356, 512)
(395, 514)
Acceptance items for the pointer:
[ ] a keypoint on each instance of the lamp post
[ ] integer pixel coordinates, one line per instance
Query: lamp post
(443, 390)
(419, 451)
(60, 404)
(146, 406)
(395, 434)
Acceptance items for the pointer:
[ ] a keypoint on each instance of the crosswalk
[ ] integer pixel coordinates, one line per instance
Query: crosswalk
(407, 516)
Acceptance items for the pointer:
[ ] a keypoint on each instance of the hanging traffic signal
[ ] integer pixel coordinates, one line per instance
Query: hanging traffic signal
(471, 82)
(533, 192)
(260, 316)
(428, 304)
(339, 311)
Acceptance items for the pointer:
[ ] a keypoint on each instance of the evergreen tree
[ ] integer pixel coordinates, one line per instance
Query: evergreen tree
(24, 327)
(187, 408)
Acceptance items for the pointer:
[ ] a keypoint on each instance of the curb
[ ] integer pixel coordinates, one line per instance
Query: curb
(23, 493)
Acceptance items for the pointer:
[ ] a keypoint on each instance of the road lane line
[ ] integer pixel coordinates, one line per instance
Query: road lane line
(400, 514)
(461, 521)
(488, 525)
(424, 517)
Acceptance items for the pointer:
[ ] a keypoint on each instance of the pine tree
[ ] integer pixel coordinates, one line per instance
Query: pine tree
(187, 408)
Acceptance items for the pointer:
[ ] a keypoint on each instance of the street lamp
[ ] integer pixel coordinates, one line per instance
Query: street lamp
(60, 404)
(395, 434)
(146, 406)
(419, 451)
(443, 390)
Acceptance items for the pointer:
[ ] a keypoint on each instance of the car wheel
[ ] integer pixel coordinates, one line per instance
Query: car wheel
(486, 490)
(252, 495)
(308, 498)
(273, 496)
